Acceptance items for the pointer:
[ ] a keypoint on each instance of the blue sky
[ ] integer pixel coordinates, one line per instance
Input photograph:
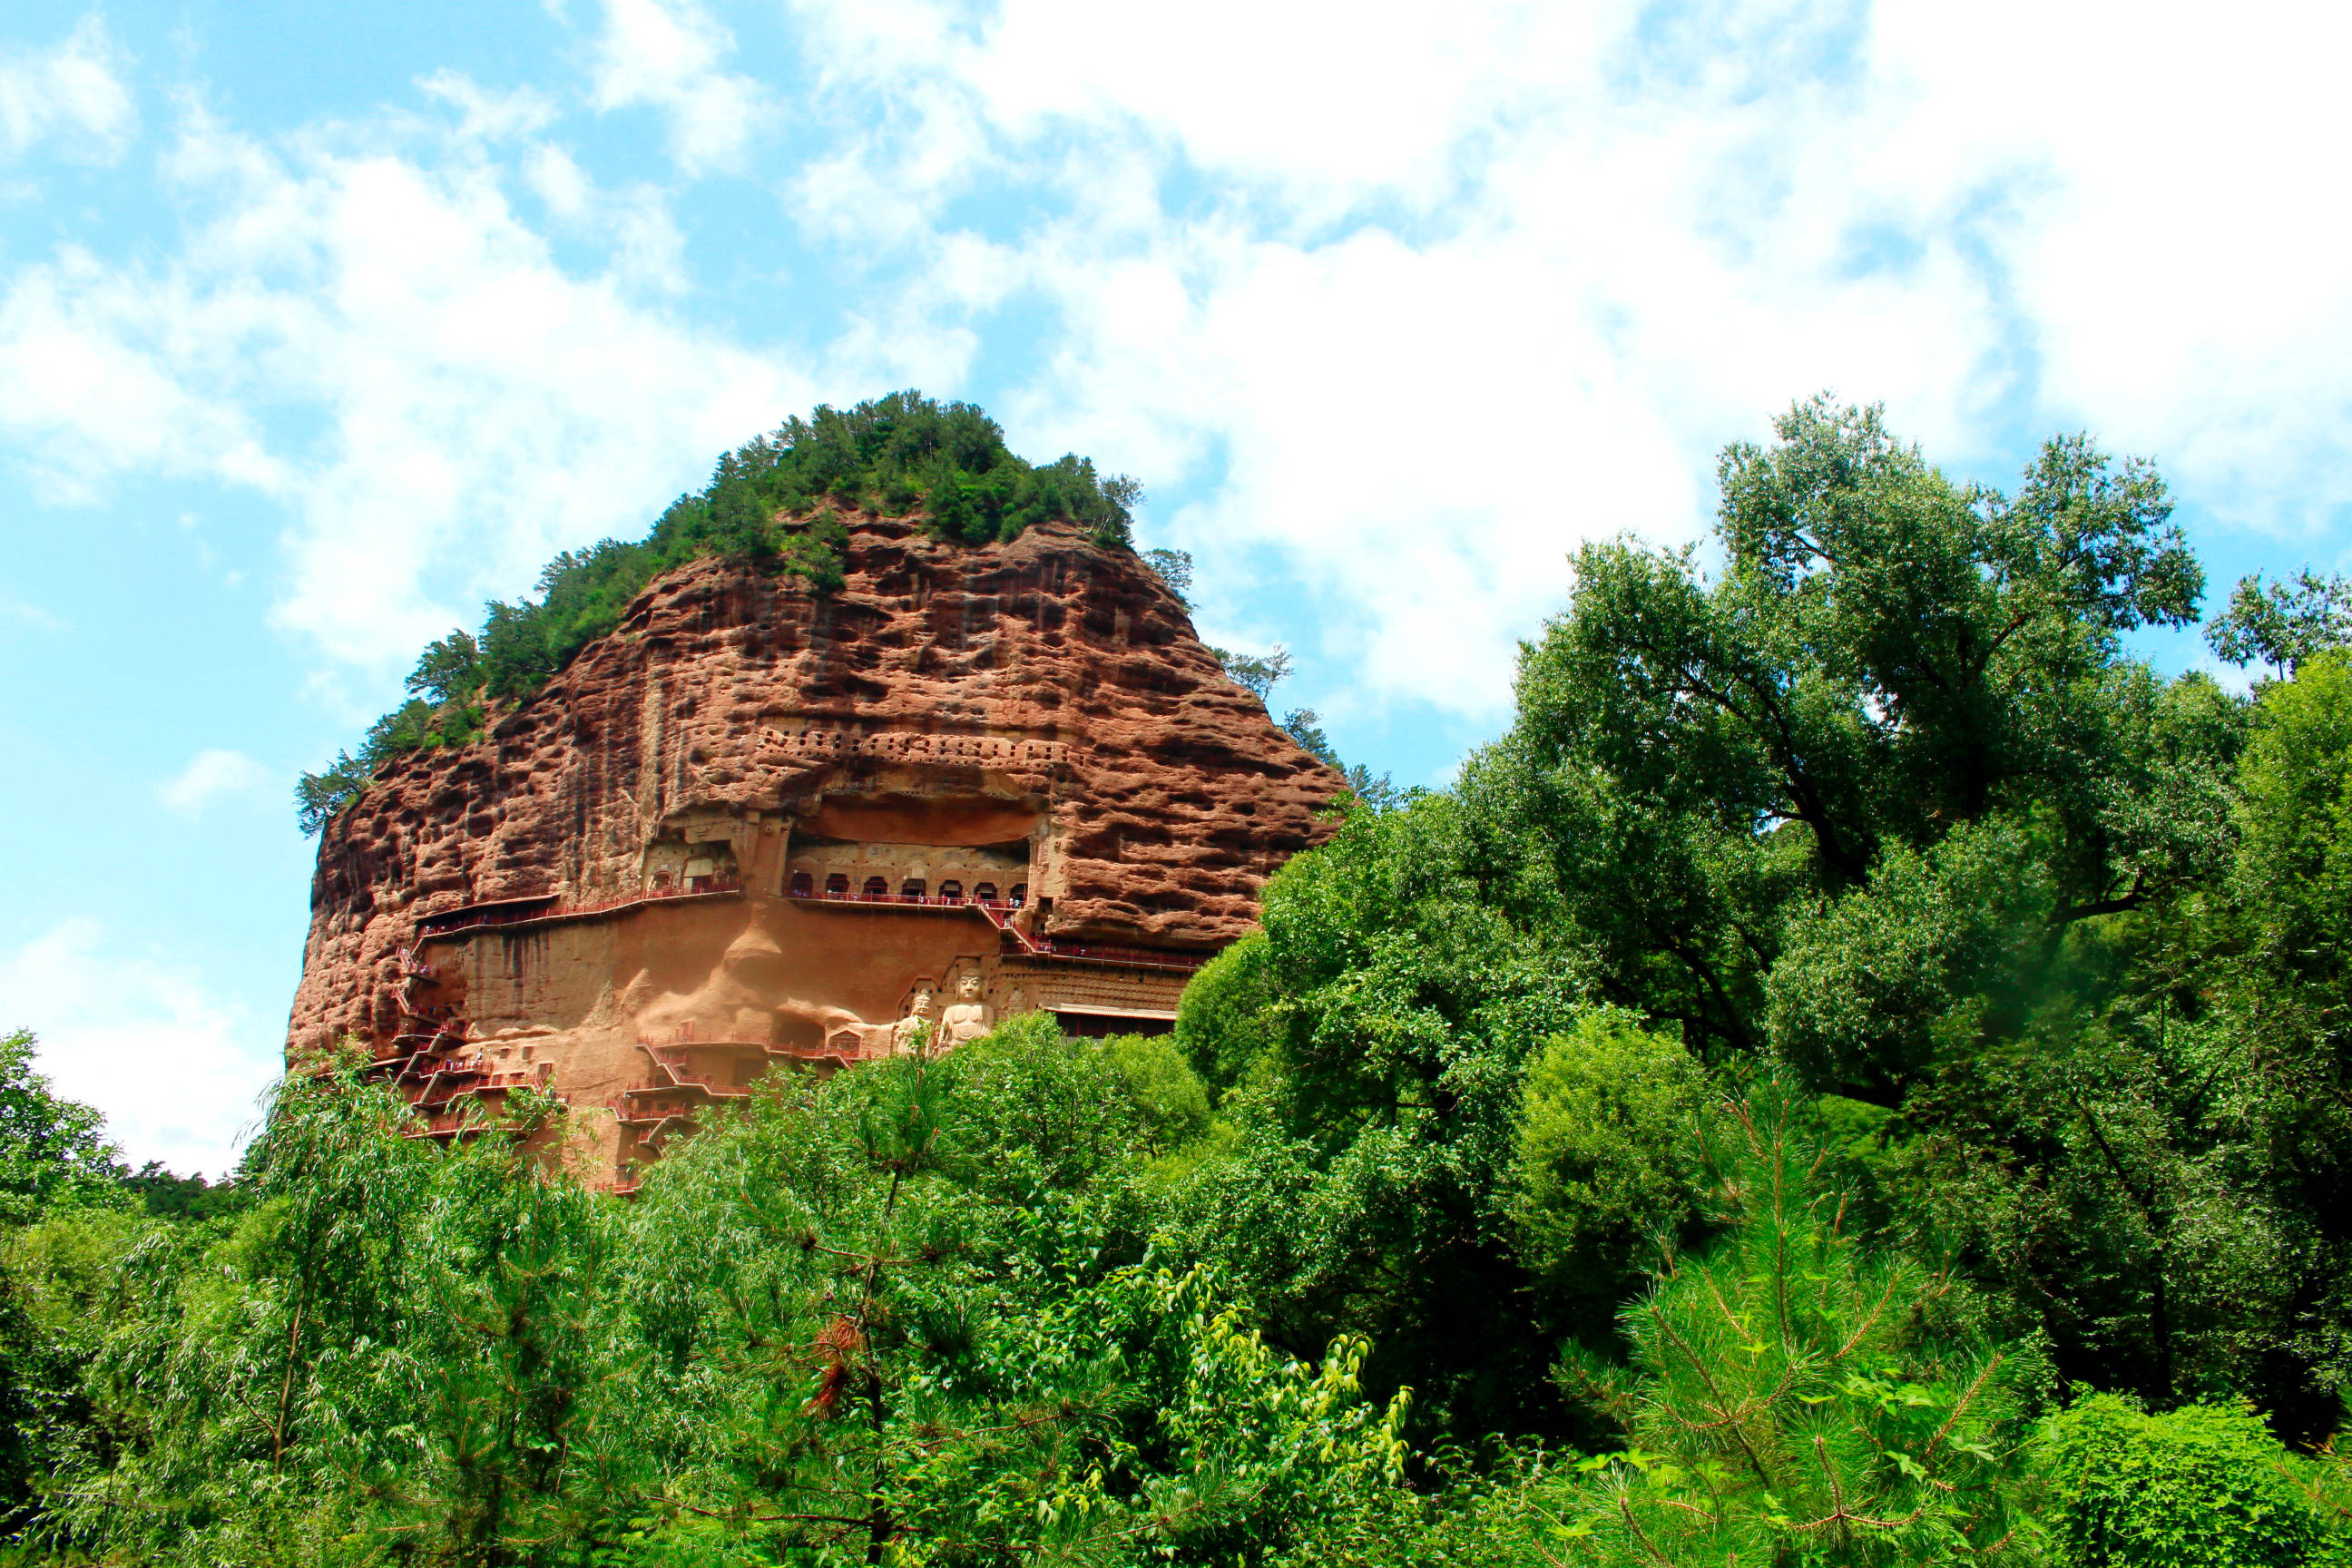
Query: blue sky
(320, 325)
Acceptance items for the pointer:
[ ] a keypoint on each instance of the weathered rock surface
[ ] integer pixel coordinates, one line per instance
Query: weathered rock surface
(1037, 715)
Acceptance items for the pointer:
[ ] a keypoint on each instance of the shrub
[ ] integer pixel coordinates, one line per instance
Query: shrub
(2201, 1487)
(1608, 1153)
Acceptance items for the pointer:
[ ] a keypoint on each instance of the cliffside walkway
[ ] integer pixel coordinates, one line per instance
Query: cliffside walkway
(999, 913)
(546, 910)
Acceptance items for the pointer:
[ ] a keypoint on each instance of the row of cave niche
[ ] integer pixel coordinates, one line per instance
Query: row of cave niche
(837, 886)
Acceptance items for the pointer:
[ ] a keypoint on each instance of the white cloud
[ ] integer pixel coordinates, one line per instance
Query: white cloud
(1447, 292)
(487, 115)
(73, 94)
(210, 775)
(2185, 279)
(177, 1070)
(363, 328)
(1429, 296)
(88, 385)
(633, 223)
(19, 611)
(558, 180)
(666, 55)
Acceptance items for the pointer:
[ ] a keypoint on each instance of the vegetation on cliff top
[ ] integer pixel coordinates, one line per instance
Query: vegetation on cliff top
(772, 504)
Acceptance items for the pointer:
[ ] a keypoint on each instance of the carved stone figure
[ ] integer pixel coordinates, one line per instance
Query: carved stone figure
(966, 1017)
(917, 1021)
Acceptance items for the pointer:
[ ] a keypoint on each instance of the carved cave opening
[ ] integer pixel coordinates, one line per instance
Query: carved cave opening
(696, 856)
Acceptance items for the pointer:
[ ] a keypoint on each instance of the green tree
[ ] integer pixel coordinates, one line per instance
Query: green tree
(910, 1313)
(2293, 868)
(320, 797)
(2143, 1154)
(1305, 726)
(1257, 674)
(238, 1369)
(1380, 792)
(1883, 800)
(1789, 1391)
(2284, 625)
(1886, 656)
(1173, 567)
(58, 1181)
(916, 1311)
(1795, 1393)
(166, 1195)
(53, 1150)
(1170, 1102)
(1368, 1051)
(450, 671)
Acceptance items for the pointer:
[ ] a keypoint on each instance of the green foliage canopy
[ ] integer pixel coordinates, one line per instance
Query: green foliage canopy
(53, 1150)
(1886, 656)
(1791, 1393)
(913, 1313)
(1881, 802)
(1611, 1136)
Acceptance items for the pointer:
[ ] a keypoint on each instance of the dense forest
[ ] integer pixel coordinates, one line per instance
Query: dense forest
(1857, 1074)
(774, 504)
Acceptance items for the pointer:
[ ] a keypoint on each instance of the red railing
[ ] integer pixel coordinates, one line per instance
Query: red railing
(1000, 917)
(499, 912)
(685, 1076)
(430, 928)
(907, 901)
(689, 1033)
(683, 1037)
(1127, 957)
(649, 1123)
(438, 1121)
(685, 1080)
(999, 913)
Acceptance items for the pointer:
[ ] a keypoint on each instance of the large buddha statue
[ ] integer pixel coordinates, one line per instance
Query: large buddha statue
(966, 1017)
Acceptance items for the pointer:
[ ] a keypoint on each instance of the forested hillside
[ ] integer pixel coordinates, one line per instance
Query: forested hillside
(1858, 1074)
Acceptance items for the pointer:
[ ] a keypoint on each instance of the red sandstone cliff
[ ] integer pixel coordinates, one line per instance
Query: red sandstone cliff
(1049, 687)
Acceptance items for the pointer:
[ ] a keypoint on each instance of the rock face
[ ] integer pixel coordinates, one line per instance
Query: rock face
(759, 823)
